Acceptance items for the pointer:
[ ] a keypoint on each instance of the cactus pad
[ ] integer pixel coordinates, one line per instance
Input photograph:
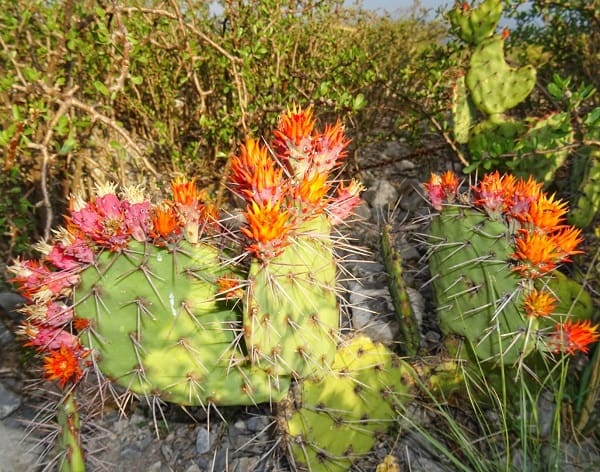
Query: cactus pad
(339, 416)
(156, 328)
(291, 320)
(473, 25)
(477, 294)
(495, 86)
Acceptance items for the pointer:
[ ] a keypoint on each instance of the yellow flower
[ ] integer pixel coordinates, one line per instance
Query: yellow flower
(539, 303)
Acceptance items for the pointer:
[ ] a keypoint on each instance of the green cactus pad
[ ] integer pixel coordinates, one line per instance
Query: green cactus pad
(495, 86)
(494, 137)
(292, 318)
(462, 112)
(473, 25)
(586, 204)
(339, 416)
(477, 295)
(545, 146)
(574, 301)
(156, 328)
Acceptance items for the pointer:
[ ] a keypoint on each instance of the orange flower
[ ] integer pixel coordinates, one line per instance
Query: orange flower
(545, 212)
(539, 303)
(254, 174)
(185, 192)
(536, 253)
(165, 221)
(293, 140)
(567, 238)
(230, 287)
(268, 227)
(571, 337)
(450, 183)
(311, 189)
(294, 127)
(519, 195)
(62, 365)
(490, 193)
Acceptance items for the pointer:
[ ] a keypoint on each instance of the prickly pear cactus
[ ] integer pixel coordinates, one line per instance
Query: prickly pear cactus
(169, 336)
(335, 419)
(291, 315)
(473, 25)
(492, 254)
(495, 86)
(166, 301)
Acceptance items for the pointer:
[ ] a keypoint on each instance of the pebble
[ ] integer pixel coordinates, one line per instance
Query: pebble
(203, 440)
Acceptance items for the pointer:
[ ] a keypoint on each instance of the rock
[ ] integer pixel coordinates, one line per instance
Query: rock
(16, 453)
(258, 424)
(9, 401)
(204, 440)
(382, 195)
(6, 335)
(369, 308)
(9, 302)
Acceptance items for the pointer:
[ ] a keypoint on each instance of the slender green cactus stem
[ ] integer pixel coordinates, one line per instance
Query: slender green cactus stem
(69, 444)
(409, 325)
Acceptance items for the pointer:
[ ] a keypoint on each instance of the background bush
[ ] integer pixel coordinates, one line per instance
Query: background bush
(129, 91)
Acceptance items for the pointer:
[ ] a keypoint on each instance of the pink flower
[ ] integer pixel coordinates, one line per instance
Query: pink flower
(47, 338)
(137, 219)
(346, 201)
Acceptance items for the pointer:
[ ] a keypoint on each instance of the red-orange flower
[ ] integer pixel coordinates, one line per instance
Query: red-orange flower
(520, 194)
(62, 365)
(442, 188)
(268, 228)
(256, 175)
(185, 192)
(490, 193)
(330, 148)
(293, 140)
(165, 220)
(294, 127)
(539, 303)
(571, 337)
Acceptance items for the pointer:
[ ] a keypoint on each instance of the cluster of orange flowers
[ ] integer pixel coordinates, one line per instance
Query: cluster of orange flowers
(542, 240)
(287, 183)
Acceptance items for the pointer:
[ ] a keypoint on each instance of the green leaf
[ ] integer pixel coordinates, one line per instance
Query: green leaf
(100, 87)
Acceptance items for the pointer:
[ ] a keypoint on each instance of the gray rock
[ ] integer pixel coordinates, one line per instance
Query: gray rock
(258, 424)
(204, 440)
(382, 195)
(9, 401)
(5, 335)
(9, 302)
(17, 454)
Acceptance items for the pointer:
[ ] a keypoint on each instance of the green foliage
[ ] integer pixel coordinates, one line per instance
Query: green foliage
(17, 222)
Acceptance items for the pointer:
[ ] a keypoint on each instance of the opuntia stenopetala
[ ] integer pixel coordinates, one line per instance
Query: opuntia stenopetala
(162, 300)
(493, 252)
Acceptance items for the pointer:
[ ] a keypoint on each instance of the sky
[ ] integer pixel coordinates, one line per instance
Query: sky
(398, 5)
